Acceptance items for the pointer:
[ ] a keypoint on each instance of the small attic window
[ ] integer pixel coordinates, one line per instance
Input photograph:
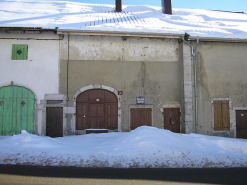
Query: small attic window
(19, 52)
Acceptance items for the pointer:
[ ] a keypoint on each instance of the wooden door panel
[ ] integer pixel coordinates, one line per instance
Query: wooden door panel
(81, 116)
(172, 119)
(135, 118)
(101, 112)
(241, 124)
(54, 121)
(97, 96)
(93, 119)
(97, 116)
(93, 123)
(92, 110)
(101, 123)
(16, 110)
(96, 108)
(140, 117)
(101, 116)
(112, 116)
(110, 97)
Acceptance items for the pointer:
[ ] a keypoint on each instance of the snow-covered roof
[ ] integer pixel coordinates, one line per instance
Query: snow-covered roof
(76, 16)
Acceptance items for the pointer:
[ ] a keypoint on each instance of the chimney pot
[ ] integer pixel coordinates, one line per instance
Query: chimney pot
(167, 6)
(118, 5)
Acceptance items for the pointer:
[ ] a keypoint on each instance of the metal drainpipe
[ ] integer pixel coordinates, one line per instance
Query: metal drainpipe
(193, 52)
(68, 72)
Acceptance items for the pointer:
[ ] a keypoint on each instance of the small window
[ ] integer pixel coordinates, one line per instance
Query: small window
(19, 52)
(221, 115)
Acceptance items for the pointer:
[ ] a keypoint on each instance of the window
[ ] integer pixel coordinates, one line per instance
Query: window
(221, 115)
(19, 52)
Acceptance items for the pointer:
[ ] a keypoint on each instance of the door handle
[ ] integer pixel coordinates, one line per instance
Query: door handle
(171, 122)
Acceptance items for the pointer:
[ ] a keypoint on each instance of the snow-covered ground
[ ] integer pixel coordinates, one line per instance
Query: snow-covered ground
(135, 19)
(144, 147)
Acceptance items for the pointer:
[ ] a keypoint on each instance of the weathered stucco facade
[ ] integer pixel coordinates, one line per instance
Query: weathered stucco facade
(221, 69)
(145, 67)
(62, 67)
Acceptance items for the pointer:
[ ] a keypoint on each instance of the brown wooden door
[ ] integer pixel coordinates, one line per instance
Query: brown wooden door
(111, 115)
(241, 123)
(97, 116)
(82, 116)
(96, 109)
(172, 119)
(140, 117)
(54, 121)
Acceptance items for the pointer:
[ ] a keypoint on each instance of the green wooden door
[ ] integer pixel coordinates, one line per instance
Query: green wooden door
(16, 110)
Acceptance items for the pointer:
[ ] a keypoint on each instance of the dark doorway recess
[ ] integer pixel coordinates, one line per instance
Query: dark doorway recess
(140, 117)
(54, 121)
(172, 119)
(241, 123)
(96, 109)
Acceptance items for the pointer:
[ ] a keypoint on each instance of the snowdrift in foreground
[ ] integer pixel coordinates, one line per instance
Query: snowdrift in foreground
(145, 147)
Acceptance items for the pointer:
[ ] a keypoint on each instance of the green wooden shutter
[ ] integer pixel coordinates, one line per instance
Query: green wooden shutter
(19, 52)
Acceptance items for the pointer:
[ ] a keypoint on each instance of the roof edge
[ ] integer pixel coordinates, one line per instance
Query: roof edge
(118, 33)
(217, 39)
(178, 35)
(27, 29)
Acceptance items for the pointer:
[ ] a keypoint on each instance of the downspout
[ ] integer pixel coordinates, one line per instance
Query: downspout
(193, 52)
(68, 71)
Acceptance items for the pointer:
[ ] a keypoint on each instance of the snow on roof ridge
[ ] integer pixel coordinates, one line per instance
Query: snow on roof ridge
(150, 19)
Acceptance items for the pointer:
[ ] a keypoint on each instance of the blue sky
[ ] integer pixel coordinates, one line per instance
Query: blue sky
(225, 5)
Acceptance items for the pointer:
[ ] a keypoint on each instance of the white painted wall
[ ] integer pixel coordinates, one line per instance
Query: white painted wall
(39, 72)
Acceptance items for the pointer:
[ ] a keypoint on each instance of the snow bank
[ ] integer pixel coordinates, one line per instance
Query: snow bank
(144, 147)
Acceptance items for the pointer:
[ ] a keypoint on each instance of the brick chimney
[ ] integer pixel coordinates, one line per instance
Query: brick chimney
(118, 6)
(166, 6)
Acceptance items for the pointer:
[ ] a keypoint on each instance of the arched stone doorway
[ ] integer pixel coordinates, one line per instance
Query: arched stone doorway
(96, 109)
(17, 106)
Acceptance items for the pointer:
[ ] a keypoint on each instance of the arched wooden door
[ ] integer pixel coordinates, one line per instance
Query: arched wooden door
(16, 110)
(96, 109)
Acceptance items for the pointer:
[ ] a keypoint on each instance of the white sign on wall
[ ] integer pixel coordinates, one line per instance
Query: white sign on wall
(140, 100)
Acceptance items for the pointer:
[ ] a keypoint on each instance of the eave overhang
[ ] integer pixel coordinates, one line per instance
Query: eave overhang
(37, 30)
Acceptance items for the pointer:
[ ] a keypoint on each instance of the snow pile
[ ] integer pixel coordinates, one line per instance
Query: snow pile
(137, 19)
(145, 147)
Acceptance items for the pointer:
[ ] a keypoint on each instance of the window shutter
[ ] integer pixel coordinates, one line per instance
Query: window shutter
(225, 115)
(19, 52)
(221, 116)
(217, 116)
